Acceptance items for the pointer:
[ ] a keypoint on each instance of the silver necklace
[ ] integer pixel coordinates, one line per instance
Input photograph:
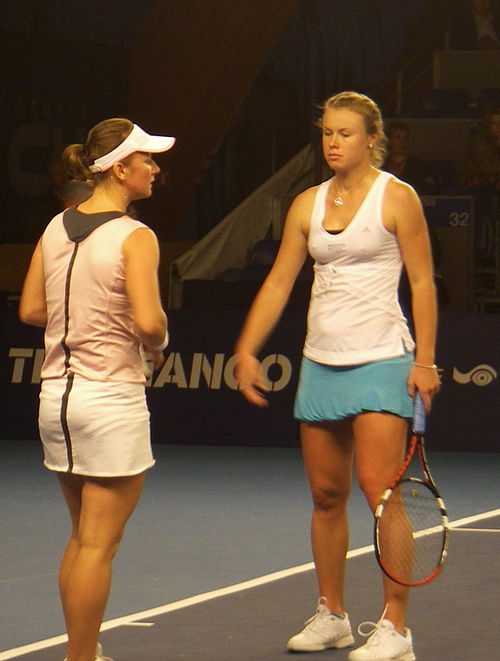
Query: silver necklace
(337, 200)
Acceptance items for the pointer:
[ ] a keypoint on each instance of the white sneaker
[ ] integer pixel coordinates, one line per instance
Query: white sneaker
(322, 630)
(99, 656)
(384, 643)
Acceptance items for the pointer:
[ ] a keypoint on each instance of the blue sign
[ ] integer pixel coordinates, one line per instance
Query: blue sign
(448, 210)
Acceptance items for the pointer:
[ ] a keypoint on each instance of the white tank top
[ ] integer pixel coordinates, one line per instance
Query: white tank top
(354, 313)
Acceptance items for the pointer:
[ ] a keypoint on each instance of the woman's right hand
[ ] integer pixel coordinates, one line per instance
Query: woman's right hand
(250, 379)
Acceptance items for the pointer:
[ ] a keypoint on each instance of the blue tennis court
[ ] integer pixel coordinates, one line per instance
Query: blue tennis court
(216, 561)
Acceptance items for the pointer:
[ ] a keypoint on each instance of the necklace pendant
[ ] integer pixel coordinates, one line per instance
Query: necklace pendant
(338, 201)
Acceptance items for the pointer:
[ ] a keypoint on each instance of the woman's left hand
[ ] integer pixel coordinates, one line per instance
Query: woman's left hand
(251, 382)
(426, 381)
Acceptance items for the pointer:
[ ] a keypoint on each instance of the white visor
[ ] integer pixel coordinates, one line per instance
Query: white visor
(137, 140)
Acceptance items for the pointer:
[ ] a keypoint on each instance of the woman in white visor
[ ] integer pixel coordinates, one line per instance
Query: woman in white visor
(93, 285)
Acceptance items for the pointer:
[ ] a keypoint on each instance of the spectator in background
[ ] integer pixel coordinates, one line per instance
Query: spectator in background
(481, 177)
(475, 25)
(74, 192)
(412, 169)
(401, 163)
(482, 162)
(66, 192)
(56, 177)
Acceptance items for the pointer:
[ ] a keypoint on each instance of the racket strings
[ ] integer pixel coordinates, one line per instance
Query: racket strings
(410, 533)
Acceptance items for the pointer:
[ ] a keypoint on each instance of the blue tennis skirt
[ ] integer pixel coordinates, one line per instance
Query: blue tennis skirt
(328, 392)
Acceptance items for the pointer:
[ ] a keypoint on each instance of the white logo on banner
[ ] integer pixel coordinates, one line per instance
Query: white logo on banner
(276, 368)
(481, 375)
(183, 372)
(23, 357)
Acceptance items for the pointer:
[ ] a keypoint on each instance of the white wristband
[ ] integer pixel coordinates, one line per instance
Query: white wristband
(163, 345)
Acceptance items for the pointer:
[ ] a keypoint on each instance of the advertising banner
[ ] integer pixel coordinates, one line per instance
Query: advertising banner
(194, 397)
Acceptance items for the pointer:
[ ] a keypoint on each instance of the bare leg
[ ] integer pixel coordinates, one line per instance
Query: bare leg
(379, 452)
(327, 451)
(99, 510)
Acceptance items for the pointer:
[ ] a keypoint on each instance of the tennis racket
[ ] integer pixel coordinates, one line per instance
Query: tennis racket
(411, 525)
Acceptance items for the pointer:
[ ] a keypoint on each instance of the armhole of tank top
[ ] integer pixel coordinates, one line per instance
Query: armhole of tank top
(133, 226)
(386, 178)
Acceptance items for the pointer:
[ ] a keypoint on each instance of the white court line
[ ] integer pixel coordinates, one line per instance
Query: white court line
(139, 624)
(130, 620)
(473, 519)
(476, 529)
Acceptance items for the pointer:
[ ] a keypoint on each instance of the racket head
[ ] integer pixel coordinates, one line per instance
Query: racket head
(411, 532)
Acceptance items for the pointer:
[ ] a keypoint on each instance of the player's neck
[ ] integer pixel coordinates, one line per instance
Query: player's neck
(355, 179)
(105, 199)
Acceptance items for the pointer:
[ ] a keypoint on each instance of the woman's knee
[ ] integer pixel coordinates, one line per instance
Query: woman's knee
(103, 548)
(329, 498)
(372, 488)
(101, 539)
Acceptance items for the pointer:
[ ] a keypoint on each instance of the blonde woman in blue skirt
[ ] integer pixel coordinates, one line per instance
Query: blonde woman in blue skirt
(92, 284)
(361, 366)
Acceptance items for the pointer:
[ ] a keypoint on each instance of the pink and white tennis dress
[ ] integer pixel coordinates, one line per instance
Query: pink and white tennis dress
(93, 416)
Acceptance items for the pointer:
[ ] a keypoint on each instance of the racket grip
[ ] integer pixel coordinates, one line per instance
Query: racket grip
(418, 415)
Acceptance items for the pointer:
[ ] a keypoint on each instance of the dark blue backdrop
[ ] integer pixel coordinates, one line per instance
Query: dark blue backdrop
(194, 400)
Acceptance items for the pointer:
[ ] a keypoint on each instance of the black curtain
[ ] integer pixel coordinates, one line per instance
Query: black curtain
(329, 45)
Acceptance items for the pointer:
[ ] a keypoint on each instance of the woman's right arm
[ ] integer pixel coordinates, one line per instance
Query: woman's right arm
(272, 298)
(142, 257)
(32, 305)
